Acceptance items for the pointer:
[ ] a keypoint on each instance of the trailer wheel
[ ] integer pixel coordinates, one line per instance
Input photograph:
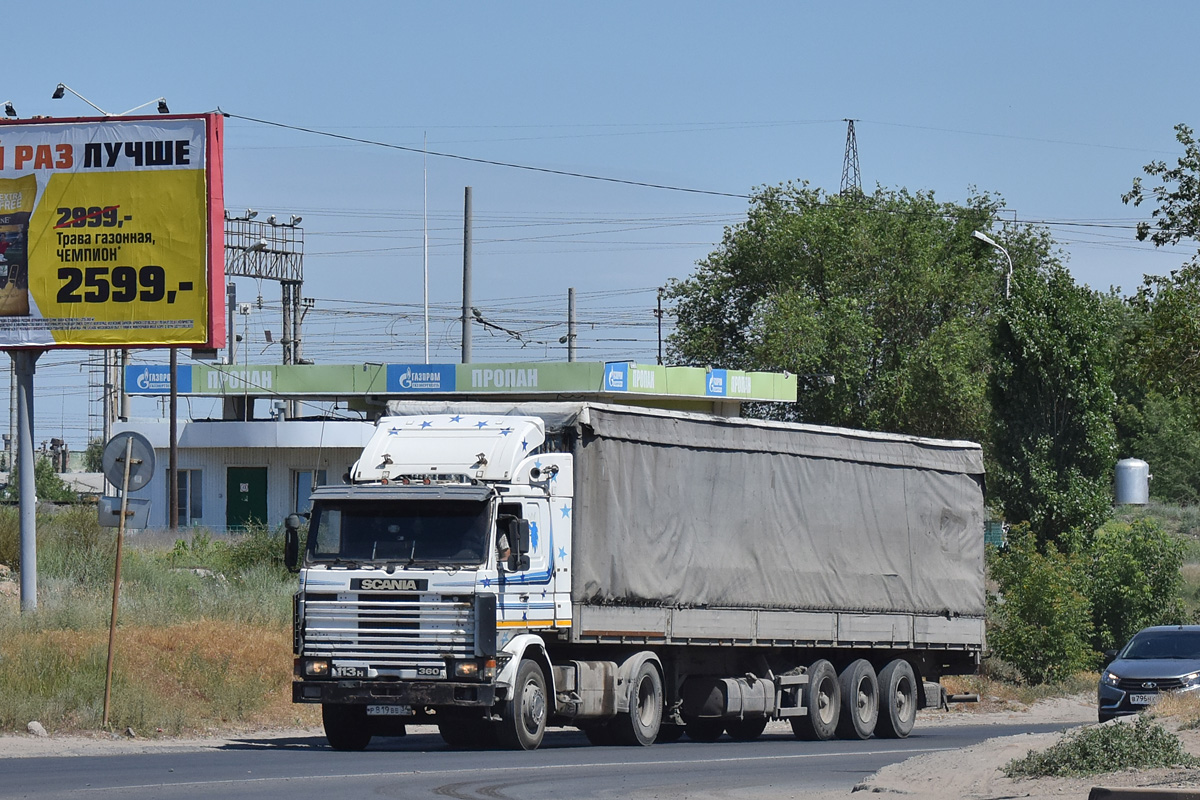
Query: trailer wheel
(746, 730)
(898, 689)
(346, 727)
(523, 717)
(823, 699)
(860, 701)
(640, 726)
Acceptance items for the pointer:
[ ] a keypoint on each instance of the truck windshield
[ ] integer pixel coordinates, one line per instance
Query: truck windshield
(451, 532)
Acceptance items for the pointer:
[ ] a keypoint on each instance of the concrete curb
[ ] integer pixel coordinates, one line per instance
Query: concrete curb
(1138, 793)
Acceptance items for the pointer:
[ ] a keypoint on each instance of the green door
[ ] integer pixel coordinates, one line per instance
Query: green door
(245, 497)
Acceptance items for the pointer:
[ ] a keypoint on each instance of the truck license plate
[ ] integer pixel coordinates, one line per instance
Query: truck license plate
(1143, 699)
(389, 711)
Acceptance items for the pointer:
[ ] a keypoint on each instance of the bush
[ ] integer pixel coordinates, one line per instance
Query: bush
(1040, 622)
(1105, 748)
(1131, 574)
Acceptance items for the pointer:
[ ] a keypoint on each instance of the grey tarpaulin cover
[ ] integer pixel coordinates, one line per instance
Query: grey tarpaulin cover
(691, 510)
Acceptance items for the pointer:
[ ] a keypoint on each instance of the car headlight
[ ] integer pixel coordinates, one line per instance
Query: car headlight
(1111, 679)
(1190, 680)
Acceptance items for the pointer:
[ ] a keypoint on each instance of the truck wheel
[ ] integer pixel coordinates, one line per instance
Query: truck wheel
(860, 701)
(746, 730)
(823, 699)
(523, 717)
(640, 726)
(346, 727)
(898, 692)
(704, 730)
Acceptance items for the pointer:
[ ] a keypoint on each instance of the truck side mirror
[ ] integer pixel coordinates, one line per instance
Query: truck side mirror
(291, 542)
(518, 534)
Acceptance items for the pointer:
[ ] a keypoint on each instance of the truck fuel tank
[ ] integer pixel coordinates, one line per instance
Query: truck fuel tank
(750, 696)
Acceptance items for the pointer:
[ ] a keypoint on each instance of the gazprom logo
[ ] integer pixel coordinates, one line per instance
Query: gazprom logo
(716, 383)
(616, 377)
(420, 377)
(156, 379)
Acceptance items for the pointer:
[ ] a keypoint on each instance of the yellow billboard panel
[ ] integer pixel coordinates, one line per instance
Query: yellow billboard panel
(111, 232)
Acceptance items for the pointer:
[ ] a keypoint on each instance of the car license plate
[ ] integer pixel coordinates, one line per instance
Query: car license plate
(389, 711)
(1143, 699)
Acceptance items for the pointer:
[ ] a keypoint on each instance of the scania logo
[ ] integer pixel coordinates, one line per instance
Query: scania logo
(388, 584)
(1149, 685)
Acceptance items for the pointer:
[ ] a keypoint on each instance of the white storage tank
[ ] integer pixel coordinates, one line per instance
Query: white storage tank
(1133, 482)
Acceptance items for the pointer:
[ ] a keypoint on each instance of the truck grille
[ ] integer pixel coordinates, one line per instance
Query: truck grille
(388, 630)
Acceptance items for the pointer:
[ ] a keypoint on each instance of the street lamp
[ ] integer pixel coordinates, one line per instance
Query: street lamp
(983, 237)
(62, 88)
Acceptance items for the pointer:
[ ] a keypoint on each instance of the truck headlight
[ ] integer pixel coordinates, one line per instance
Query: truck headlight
(1109, 679)
(476, 670)
(315, 667)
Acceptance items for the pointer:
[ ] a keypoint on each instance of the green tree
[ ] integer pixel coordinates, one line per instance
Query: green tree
(1165, 432)
(1176, 215)
(1159, 380)
(93, 456)
(880, 303)
(48, 486)
(1054, 443)
(1040, 622)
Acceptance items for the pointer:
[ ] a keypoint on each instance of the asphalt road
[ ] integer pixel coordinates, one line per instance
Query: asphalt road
(420, 765)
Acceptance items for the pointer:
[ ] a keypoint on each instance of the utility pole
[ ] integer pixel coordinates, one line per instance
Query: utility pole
(851, 179)
(658, 313)
(571, 324)
(466, 294)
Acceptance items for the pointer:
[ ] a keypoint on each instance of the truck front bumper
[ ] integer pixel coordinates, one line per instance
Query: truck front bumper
(411, 693)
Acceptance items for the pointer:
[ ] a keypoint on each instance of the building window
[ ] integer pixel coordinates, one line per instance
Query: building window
(303, 483)
(191, 496)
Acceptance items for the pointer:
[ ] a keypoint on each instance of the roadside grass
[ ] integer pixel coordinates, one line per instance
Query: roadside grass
(999, 692)
(203, 639)
(1142, 744)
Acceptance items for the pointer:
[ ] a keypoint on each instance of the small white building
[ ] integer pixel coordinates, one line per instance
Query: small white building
(234, 473)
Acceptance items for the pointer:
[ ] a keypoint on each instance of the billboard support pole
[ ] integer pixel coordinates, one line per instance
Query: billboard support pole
(173, 468)
(23, 362)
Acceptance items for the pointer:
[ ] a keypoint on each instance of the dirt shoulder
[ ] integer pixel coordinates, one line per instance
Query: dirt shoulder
(975, 772)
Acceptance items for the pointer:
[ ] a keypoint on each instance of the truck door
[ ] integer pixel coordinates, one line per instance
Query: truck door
(527, 598)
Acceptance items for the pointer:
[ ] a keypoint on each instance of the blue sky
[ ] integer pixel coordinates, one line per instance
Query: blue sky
(1053, 106)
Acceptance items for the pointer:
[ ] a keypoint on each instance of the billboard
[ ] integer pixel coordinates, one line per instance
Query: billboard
(112, 232)
(532, 379)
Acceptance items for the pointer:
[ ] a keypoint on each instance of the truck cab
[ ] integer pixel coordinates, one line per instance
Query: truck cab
(449, 542)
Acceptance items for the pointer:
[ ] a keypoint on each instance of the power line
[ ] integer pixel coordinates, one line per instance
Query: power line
(509, 165)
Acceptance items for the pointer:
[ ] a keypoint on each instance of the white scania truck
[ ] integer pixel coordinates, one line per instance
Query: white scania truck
(638, 574)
